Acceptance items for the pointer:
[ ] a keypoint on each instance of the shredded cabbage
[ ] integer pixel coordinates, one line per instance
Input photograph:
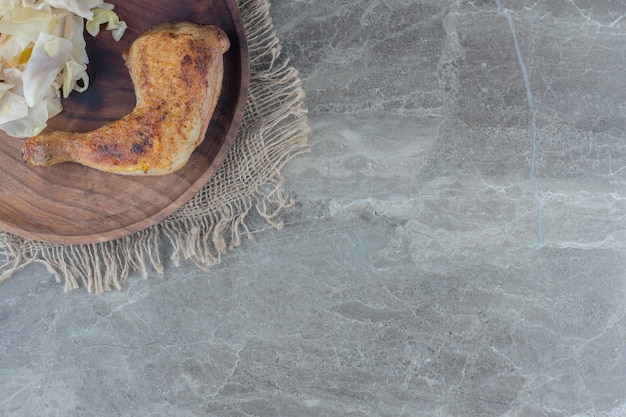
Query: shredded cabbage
(43, 57)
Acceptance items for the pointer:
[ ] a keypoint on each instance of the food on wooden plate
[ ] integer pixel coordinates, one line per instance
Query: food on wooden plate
(43, 57)
(177, 70)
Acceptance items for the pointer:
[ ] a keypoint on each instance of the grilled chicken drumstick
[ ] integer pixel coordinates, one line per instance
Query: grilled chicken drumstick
(176, 70)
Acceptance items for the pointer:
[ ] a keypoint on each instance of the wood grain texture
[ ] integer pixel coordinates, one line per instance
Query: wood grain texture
(73, 204)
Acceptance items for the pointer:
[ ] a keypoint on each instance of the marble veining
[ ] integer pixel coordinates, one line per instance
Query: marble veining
(533, 126)
(457, 246)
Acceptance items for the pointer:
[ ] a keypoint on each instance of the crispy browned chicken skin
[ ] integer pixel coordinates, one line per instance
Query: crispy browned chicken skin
(177, 71)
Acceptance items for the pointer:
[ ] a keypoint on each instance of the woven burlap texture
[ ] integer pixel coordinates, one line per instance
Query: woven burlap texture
(274, 130)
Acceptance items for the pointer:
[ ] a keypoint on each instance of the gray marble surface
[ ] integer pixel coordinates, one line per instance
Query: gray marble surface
(457, 247)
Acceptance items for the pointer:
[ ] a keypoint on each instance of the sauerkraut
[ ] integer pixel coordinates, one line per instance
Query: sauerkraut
(43, 57)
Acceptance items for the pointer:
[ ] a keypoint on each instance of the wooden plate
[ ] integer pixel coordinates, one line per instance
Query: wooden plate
(72, 204)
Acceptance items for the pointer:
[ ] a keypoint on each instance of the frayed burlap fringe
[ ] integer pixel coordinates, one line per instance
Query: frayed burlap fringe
(273, 131)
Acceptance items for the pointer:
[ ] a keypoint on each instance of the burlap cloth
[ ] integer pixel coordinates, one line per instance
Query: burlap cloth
(273, 131)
